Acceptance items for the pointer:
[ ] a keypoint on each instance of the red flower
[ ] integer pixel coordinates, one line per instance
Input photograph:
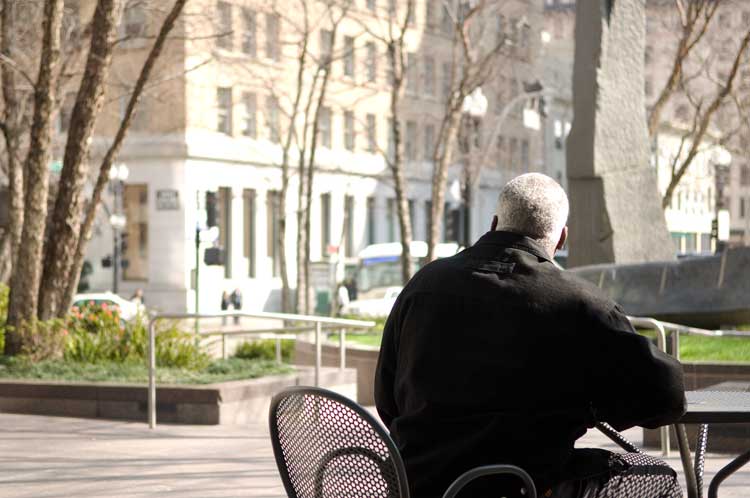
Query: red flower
(64, 331)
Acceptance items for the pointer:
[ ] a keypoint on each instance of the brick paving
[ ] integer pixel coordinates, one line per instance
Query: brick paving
(46, 457)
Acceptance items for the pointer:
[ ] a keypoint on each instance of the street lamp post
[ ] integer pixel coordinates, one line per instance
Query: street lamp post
(474, 108)
(117, 176)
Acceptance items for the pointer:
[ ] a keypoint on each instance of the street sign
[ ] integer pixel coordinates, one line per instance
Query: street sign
(167, 200)
(723, 232)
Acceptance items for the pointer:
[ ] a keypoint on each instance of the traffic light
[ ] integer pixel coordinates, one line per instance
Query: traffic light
(107, 262)
(213, 256)
(211, 209)
(715, 228)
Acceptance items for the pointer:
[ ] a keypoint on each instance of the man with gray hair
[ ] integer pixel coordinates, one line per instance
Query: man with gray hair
(495, 355)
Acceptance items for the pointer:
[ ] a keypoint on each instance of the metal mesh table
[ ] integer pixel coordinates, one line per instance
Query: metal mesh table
(727, 403)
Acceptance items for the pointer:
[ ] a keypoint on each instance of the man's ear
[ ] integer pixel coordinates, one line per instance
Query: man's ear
(493, 225)
(563, 238)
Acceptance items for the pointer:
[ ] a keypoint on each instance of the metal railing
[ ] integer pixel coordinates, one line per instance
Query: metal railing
(319, 324)
(666, 331)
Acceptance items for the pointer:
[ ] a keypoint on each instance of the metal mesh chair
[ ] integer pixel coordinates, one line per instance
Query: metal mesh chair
(528, 490)
(328, 446)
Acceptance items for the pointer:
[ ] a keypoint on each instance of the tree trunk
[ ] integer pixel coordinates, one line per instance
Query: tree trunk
(27, 274)
(109, 157)
(5, 259)
(10, 117)
(310, 175)
(396, 56)
(66, 218)
(301, 236)
(440, 179)
(284, 267)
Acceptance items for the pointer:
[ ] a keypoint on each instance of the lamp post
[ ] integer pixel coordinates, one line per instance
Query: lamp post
(117, 176)
(474, 108)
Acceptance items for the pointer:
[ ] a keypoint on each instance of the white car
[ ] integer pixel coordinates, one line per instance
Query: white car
(128, 309)
(376, 306)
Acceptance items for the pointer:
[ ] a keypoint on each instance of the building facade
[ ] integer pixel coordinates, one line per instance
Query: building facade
(206, 147)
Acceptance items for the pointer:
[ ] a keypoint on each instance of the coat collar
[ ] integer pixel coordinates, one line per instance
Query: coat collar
(515, 241)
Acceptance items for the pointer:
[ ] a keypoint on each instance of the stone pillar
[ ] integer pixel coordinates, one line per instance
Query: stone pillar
(616, 213)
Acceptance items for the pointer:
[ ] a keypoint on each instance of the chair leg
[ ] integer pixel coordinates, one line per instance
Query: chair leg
(700, 457)
(687, 464)
(728, 470)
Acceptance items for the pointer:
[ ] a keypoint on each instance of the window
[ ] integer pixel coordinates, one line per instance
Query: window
(273, 213)
(250, 125)
(412, 85)
(372, 133)
(745, 175)
(427, 218)
(391, 140)
(429, 76)
(410, 142)
(371, 63)
(272, 119)
(326, 46)
(248, 200)
(134, 241)
(225, 35)
(224, 110)
(324, 127)
(513, 152)
(429, 13)
(371, 5)
(133, 21)
(349, 226)
(66, 111)
(524, 43)
(273, 46)
(648, 54)
(325, 224)
(648, 87)
(371, 220)
(412, 217)
(349, 135)
(525, 163)
(446, 81)
(446, 22)
(390, 219)
(429, 141)
(500, 30)
(225, 228)
(742, 208)
(249, 34)
(349, 56)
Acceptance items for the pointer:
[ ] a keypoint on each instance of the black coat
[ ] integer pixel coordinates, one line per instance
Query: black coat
(495, 355)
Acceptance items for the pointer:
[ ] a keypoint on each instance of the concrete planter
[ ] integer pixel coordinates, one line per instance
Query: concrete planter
(236, 402)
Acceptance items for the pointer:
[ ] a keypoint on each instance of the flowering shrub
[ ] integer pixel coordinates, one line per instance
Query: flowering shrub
(97, 333)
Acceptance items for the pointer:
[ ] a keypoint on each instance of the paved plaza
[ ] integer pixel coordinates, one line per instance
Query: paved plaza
(46, 457)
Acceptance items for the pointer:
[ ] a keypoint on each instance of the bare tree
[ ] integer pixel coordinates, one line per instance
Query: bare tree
(476, 52)
(28, 271)
(697, 23)
(66, 217)
(43, 282)
(105, 165)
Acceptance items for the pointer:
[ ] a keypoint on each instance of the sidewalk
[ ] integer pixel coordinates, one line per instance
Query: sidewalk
(46, 457)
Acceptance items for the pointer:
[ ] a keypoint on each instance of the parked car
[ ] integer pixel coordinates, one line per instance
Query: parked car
(128, 309)
(378, 305)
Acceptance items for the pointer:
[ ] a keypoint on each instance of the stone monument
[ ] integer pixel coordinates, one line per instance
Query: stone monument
(616, 213)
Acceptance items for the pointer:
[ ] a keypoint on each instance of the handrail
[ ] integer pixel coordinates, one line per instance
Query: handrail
(661, 343)
(318, 321)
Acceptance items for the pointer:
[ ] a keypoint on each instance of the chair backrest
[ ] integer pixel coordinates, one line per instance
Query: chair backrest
(328, 446)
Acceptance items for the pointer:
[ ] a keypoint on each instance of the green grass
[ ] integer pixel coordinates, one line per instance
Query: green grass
(136, 372)
(692, 348)
(723, 349)
(369, 339)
